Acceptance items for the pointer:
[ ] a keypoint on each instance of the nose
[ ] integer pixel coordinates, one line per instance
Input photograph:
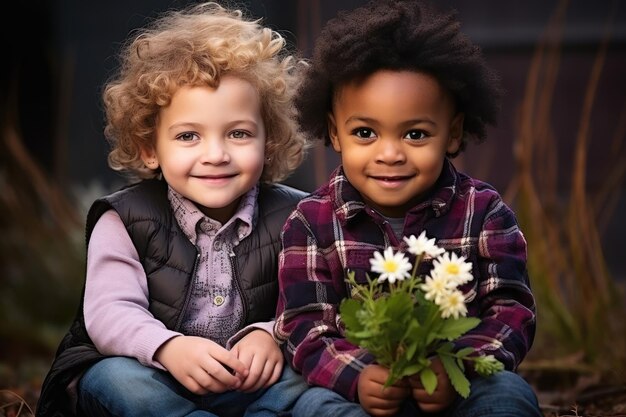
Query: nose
(390, 151)
(215, 152)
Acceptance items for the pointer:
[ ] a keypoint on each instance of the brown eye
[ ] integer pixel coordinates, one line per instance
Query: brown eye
(186, 137)
(416, 135)
(239, 134)
(363, 133)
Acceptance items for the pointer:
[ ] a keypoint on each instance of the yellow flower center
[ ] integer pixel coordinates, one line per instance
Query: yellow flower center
(390, 266)
(452, 269)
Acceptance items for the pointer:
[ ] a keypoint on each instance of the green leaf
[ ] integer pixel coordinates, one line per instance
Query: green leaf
(412, 342)
(457, 377)
(445, 348)
(348, 310)
(429, 380)
(466, 351)
(362, 334)
(454, 328)
(399, 306)
(412, 370)
(422, 311)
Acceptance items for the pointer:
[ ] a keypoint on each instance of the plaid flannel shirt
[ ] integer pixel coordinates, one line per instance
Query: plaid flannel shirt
(333, 231)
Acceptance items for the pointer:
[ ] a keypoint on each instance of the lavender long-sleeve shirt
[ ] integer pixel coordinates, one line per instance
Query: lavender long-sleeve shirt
(116, 291)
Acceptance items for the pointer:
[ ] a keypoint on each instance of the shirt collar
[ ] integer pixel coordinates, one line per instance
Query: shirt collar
(348, 201)
(189, 216)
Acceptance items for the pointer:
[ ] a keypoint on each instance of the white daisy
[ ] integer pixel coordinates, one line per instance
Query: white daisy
(390, 266)
(436, 286)
(454, 267)
(453, 305)
(422, 244)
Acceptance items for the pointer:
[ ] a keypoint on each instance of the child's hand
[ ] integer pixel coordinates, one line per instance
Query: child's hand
(260, 353)
(376, 400)
(199, 364)
(444, 394)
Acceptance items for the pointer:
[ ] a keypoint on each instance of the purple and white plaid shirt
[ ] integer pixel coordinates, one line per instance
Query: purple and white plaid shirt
(333, 231)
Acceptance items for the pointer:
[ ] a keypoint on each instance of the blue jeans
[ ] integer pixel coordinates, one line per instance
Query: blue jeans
(121, 386)
(504, 394)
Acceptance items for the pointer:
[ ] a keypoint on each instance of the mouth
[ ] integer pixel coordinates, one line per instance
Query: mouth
(391, 181)
(391, 178)
(215, 179)
(215, 176)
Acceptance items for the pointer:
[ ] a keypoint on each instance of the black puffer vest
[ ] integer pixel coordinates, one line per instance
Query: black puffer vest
(169, 261)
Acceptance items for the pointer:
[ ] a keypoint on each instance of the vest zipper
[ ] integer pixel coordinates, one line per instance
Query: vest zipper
(231, 257)
(179, 321)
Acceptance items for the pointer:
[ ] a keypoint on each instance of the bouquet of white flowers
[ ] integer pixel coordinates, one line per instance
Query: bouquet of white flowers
(415, 318)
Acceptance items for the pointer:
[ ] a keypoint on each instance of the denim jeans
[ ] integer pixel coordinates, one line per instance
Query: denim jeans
(121, 386)
(504, 394)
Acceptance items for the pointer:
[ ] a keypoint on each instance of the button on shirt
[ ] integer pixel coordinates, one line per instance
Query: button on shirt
(215, 309)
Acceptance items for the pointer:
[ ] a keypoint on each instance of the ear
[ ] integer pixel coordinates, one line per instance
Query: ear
(456, 133)
(149, 158)
(332, 132)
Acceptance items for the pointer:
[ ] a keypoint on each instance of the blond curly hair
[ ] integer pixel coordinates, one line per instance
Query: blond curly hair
(197, 46)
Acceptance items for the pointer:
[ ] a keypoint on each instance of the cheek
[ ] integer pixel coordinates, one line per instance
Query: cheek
(429, 159)
(352, 160)
(432, 167)
(252, 159)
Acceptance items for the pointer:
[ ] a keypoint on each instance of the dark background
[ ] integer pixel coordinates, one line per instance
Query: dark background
(61, 52)
(57, 54)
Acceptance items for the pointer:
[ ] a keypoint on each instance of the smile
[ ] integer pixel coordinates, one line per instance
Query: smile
(215, 179)
(394, 181)
(392, 178)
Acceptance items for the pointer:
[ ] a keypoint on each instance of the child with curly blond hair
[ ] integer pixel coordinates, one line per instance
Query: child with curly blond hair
(181, 285)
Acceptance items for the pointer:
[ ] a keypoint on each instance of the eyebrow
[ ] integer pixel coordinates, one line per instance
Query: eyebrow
(196, 126)
(370, 120)
(183, 125)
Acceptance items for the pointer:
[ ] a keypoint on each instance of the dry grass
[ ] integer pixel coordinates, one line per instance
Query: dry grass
(13, 405)
(580, 342)
(578, 362)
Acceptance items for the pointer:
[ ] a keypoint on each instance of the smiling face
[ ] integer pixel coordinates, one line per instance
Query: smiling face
(393, 131)
(210, 145)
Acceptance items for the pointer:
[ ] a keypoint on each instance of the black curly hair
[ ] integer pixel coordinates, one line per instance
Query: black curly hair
(398, 35)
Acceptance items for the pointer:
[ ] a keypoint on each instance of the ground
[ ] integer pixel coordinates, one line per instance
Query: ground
(20, 385)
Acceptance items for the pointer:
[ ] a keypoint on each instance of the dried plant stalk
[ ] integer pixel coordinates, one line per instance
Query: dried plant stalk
(577, 297)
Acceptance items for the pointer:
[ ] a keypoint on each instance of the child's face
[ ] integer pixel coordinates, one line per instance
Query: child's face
(210, 144)
(393, 131)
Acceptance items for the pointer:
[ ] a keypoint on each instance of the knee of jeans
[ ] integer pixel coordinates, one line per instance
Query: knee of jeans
(318, 396)
(516, 383)
(318, 401)
(113, 374)
(508, 387)
(291, 379)
(119, 384)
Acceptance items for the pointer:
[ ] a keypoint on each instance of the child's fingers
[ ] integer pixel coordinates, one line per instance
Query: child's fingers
(277, 370)
(261, 374)
(271, 373)
(252, 382)
(209, 383)
(220, 376)
(230, 363)
(382, 406)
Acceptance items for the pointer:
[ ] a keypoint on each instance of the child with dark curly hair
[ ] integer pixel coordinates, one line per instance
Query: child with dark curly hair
(181, 285)
(398, 91)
